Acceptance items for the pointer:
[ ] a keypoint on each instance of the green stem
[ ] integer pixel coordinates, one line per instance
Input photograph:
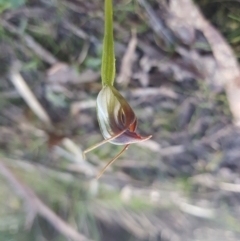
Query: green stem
(108, 56)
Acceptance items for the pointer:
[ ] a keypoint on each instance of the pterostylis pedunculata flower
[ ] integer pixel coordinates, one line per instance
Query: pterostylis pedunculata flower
(116, 118)
(117, 121)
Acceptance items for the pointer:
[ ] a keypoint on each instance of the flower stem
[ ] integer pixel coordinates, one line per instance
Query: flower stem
(108, 56)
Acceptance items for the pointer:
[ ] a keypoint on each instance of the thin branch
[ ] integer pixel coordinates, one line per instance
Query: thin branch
(128, 60)
(77, 31)
(29, 97)
(158, 25)
(197, 211)
(227, 68)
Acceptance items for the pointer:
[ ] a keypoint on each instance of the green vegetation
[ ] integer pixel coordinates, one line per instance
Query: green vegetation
(10, 4)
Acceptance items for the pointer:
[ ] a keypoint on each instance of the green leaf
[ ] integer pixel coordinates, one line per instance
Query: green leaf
(108, 56)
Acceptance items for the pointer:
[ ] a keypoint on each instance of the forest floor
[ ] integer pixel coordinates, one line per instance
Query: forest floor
(182, 184)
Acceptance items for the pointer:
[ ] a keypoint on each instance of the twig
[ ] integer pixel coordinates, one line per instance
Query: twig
(29, 97)
(197, 211)
(167, 151)
(151, 91)
(231, 187)
(227, 69)
(62, 73)
(74, 7)
(157, 24)
(77, 31)
(39, 207)
(82, 105)
(127, 62)
(217, 135)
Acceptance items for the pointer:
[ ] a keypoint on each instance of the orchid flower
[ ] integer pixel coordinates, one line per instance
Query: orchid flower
(116, 118)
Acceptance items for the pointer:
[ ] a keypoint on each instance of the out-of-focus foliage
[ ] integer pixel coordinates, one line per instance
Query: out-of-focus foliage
(8, 4)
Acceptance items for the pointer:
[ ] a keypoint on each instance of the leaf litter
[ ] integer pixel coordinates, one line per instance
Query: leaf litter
(183, 184)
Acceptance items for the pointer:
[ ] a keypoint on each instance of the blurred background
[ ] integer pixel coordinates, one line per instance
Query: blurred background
(177, 65)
